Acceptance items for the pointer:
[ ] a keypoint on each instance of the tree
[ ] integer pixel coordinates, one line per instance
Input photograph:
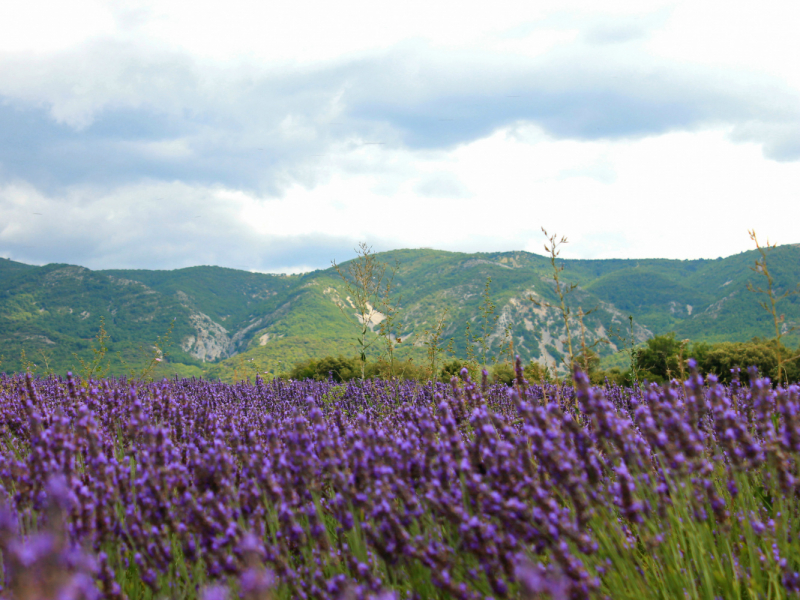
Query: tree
(589, 360)
(503, 373)
(452, 369)
(630, 341)
(336, 367)
(661, 357)
(536, 372)
(725, 357)
(388, 326)
(488, 322)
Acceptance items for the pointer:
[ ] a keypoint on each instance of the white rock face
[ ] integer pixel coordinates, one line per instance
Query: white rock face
(374, 317)
(238, 337)
(265, 338)
(715, 308)
(211, 340)
(70, 272)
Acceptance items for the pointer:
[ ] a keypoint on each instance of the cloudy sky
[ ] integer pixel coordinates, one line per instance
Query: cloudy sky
(274, 136)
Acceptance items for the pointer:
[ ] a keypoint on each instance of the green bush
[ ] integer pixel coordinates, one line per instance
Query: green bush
(404, 370)
(453, 368)
(534, 372)
(723, 357)
(339, 368)
(345, 369)
(503, 373)
(614, 375)
(659, 360)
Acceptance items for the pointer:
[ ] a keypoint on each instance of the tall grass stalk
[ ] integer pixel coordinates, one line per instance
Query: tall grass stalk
(771, 303)
(552, 247)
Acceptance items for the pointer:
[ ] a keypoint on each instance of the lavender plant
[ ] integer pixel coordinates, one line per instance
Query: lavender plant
(380, 489)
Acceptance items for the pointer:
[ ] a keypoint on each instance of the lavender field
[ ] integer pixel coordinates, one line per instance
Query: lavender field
(377, 489)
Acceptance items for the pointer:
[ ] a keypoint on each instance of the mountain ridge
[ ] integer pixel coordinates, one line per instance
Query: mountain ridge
(225, 317)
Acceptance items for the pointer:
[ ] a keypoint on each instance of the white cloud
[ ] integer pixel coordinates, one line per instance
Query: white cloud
(636, 128)
(756, 39)
(680, 195)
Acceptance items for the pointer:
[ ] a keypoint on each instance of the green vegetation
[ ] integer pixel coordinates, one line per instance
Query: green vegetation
(228, 324)
(339, 369)
(661, 359)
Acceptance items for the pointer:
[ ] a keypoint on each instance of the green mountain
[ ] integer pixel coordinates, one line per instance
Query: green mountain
(221, 320)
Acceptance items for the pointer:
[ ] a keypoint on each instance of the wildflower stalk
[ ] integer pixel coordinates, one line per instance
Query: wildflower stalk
(363, 280)
(388, 332)
(95, 367)
(587, 350)
(433, 341)
(562, 290)
(488, 321)
(771, 303)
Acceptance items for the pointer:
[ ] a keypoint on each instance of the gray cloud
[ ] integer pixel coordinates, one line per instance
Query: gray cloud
(593, 95)
(160, 227)
(780, 141)
(114, 114)
(98, 138)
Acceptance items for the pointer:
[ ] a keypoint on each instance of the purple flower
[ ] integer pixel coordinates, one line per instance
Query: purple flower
(537, 579)
(214, 592)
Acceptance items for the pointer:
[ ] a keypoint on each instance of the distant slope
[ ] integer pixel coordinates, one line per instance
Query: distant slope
(701, 299)
(226, 295)
(226, 319)
(53, 312)
(660, 297)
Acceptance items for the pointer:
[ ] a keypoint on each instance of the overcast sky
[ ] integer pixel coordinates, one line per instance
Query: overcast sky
(274, 136)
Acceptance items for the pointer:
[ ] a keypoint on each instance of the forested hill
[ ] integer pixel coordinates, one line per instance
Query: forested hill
(224, 317)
